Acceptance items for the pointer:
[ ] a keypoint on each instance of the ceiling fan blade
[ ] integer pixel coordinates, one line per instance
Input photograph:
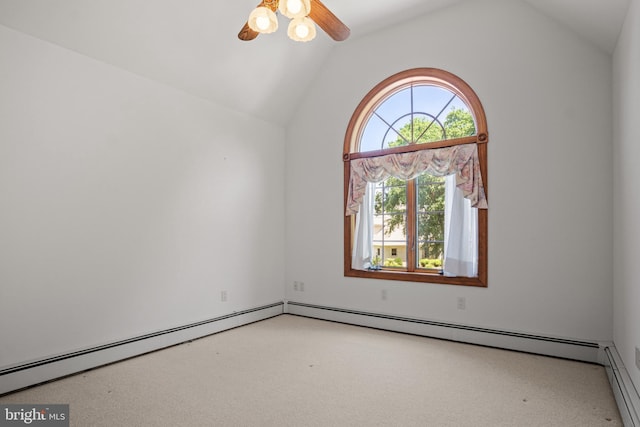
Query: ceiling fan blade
(247, 33)
(329, 22)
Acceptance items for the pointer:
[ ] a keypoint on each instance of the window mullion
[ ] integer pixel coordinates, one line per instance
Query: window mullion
(411, 225)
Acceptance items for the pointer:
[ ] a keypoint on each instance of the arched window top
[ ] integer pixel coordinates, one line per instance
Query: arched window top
(417, 106)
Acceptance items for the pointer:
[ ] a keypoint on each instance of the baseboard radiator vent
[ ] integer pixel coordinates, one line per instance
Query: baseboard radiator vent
(551, 346)
(24, 375)
(624, 391)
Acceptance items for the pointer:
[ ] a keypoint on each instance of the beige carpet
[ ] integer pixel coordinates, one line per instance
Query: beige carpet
(295, 371)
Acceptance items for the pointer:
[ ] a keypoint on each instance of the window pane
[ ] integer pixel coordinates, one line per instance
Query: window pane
(432, 100)
(430, 221)
(395, 106)
(458, 122)
(427, 128)
(390, 224)
(399, 134)
(371, 137)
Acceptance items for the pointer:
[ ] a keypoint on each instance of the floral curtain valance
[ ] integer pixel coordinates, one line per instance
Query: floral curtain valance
(461, 160)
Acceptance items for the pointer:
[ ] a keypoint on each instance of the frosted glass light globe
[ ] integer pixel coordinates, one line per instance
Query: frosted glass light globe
(295, 8)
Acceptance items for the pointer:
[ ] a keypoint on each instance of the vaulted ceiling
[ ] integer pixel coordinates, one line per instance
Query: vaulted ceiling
(193, 45)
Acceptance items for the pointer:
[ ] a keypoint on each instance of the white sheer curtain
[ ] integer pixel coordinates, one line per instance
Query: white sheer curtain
(363, 242)
(460, 233)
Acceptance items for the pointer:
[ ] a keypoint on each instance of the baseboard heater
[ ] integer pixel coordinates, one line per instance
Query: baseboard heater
(586, 351)
(624, 391)
(24, 375)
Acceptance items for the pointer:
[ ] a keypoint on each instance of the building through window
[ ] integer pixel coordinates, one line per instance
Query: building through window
(415, 181)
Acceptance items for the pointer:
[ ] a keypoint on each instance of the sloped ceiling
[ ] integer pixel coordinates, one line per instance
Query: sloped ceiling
(193, 45)
(599, 21)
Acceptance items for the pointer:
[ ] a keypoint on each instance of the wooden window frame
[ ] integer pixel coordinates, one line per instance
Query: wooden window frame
(375, 97)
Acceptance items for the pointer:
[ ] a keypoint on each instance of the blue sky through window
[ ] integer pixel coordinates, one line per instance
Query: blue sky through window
(426, 99)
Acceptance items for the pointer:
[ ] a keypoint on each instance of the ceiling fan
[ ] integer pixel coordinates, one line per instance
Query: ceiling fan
(303, 14)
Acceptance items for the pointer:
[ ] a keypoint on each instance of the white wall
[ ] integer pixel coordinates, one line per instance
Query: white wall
(547, 95)
(626, 275)
(126, 207)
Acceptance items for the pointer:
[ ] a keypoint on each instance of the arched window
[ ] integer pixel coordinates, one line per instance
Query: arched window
(415, 170)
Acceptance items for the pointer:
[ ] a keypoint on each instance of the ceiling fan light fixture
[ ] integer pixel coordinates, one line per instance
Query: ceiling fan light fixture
(304, 20)
(295, 8)
(301, 29)
(263, 20)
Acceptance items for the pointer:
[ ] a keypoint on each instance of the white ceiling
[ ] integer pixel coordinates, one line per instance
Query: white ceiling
(193, 45)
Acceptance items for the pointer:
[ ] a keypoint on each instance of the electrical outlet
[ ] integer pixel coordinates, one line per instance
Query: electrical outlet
(462, 303)
(223, 296)
(301, 286)
(383, 295)
(637, 357)
(295, 286)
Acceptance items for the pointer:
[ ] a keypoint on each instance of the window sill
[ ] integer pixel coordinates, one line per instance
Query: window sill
(416, 277)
